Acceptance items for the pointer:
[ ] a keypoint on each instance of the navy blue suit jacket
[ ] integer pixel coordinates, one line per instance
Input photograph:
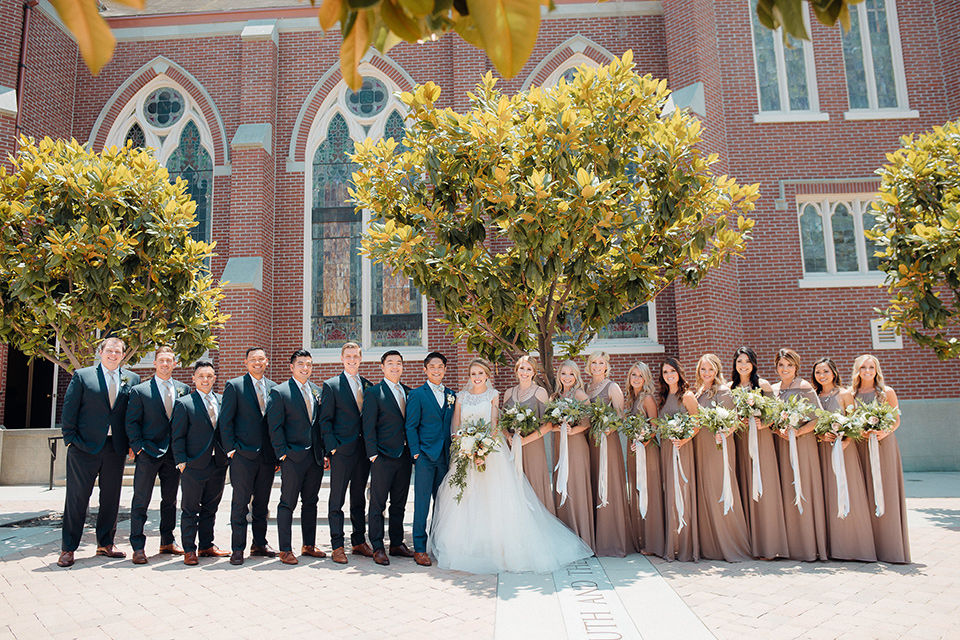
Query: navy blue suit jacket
(384, 427)
(292, 432)
(428, 424)
(340, 423)
(87, 414)
(148, 427)
(195, 438)
(242, 427)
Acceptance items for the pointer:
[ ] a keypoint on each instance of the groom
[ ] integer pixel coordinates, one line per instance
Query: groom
(429, 412)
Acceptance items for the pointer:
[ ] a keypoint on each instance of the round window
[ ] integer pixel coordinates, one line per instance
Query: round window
(369, 101)
(164, 107)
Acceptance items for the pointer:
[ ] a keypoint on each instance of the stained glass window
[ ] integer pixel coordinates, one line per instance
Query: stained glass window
(873, 261)
(868, 58)
(163, 107)
(136, 136)
(783, 76)
(811, 238)
(844, 239)
(764, 51)
(569, 75)
(192, 162)
(394, 128)
(370, 100)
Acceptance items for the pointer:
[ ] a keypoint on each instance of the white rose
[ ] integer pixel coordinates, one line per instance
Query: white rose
(722, 413)
(873, 420)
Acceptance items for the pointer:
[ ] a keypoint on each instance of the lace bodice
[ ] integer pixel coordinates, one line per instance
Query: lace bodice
(474, 406)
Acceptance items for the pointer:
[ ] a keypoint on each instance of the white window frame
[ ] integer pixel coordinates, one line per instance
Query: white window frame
(857, 204)
(333, 104)
(874, 111)
(785, 113)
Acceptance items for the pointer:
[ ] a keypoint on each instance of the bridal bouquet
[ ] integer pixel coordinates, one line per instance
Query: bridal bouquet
(519, 419)
(679, 426)
(875, 416)
(752, 403)
(603, 418)
(471, 444)
(637, 428)
(564, 410)
(842, 425)
(792, 412)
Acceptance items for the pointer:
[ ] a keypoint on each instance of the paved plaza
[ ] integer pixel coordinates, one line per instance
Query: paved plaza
(605, 599)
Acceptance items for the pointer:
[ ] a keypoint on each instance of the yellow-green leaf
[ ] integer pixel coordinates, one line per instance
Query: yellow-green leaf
(354, 47)
(93, 36)
(508, 29)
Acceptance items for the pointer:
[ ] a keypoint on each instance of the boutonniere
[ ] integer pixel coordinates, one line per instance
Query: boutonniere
(316, 394)
(124, 380)
(181, 393)
(451, 398)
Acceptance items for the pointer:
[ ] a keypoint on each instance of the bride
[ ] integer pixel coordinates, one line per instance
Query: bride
(498, 524)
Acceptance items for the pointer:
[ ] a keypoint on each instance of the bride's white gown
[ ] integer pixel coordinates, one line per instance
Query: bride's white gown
(499, 524)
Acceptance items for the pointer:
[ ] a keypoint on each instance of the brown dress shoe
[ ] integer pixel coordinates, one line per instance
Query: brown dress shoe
(339, 556)
(173, 549)
(66, 559)
(380, 557)
(213, 552)
(190, 557)
(139, 557)
(401, 551)
(312, 551)
(110, 551)
(287, 557)
(236, 558)
(422, 559)
(266, 551)
(363, 549)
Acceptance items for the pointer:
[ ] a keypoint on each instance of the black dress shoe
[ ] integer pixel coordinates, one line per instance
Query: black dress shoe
(236, 558)
(266, 551)
(401, 551)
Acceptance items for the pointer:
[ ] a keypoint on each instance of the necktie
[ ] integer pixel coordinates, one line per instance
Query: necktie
(168, 398)
(401, 400)
(358, 394)
(308, 400)
(212, 409)
(260, 394)
(112, 388)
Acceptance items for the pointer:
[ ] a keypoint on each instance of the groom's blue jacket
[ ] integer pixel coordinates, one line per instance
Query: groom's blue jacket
(428, 424)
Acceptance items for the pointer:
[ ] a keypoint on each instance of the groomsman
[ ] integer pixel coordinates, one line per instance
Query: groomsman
(341, 428)
(429, 413)
(385, 437)
(202, 463)
(253, 465)
(149, 411)
(292, 415)
(94, 409)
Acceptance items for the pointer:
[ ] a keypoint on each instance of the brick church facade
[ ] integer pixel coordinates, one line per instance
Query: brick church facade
(247, 104)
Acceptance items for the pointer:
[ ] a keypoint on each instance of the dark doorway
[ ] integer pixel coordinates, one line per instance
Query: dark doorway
(29, 388)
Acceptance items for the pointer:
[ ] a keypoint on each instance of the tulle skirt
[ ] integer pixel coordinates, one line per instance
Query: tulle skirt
(499, 524)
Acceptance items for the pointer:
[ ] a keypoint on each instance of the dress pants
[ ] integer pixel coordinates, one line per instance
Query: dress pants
(83, 470)
(352, 469)
(249, 479)
(389, 477)
(299, 480)
(200, 493)
(426, 482)
(144, 477)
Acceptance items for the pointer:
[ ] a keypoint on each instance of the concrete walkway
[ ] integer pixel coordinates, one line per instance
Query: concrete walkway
(595, 599)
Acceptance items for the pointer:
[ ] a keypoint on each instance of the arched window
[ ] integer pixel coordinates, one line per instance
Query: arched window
(844, 238)
(349, 298)
(192, 162)
(811, 240)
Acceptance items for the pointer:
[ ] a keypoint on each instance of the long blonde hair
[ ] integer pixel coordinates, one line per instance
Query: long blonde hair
(718, 380)
(855, 376)
(646, 390)
(575, 368)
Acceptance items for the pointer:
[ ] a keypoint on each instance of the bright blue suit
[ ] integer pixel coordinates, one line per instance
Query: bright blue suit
(428, 435)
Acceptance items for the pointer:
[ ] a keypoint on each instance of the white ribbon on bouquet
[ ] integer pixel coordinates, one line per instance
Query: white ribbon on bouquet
(563, 462)
(795, 463)
(677, 493)
(727, 496)
(753, 448)
(604, 454)
(840, 472)
(873, 447)
(517, 447)
(642, 478)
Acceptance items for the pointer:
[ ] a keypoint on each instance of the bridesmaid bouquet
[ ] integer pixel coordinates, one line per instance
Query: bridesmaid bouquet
(752, 402)
(839, 424)
(564, 410)
(875, 416)
(637, 428)
(718, 420)
(792, 412)
(679, 426)
(471, 444)
(603, 418)
(519, 419)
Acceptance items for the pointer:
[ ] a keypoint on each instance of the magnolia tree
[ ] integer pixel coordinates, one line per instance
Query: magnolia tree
(541, 217)
(918, 233)
(92, 244)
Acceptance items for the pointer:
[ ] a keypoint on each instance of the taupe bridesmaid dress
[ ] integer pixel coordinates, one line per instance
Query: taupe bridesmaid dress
(685, 545)
(722, 536)
(889, 530)
(614, 529)
(577, 511)
(807, 531)
(849, 538)
(765, 521)
(648, 530)
(535, 465)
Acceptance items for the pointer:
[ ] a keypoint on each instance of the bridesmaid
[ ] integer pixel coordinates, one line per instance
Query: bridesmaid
(889, 529)
(849, 537)
(806, 531)
(529, 394)
(614, 529)
(577, 510)
(723, 536)
(675, 397)
(648, 529)
(765, 521)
